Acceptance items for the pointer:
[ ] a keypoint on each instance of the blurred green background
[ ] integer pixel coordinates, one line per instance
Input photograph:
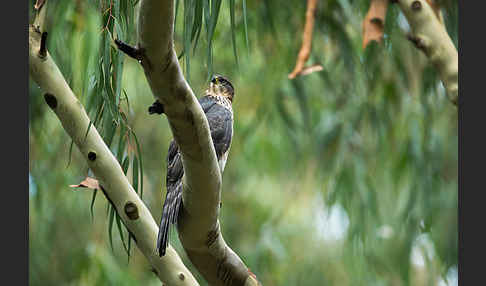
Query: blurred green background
(347, 176)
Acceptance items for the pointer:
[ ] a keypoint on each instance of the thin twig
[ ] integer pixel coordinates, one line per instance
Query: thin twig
(305, 49)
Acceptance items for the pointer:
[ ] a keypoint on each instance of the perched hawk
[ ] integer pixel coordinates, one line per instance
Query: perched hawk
(217, 108)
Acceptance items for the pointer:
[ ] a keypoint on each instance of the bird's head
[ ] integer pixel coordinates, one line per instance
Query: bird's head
(221, 86)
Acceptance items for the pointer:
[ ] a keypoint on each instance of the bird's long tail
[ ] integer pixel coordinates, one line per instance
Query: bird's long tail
(170, 212)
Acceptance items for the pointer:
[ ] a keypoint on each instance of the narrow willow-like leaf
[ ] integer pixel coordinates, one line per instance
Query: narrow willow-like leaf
(233, 29)
(187, 27)
(108, 94)
(87, 130)
(197, 24)
(117, 58)
(135, 174)
(207, 17)
(116, 15)
(99, 114)
(91, 207)
(109, 127)
(124, 18)
(120, 231)
(245, 26)
(130, 22)
(215, 5)
(121, 142)
(129, 246)
(94, 100)
(110, 226)
(126, 98)
(125, 165)
(139, 156)
(106, 91)
(176, 13)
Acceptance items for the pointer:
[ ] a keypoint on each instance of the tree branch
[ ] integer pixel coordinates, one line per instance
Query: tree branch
(305, 49)
(430, 35)
(104, 165)
(374, 22)
(198, 225)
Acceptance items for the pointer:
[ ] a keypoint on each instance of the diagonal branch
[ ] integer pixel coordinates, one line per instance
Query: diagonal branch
(430, 35)
(104, 165)
(198, 224)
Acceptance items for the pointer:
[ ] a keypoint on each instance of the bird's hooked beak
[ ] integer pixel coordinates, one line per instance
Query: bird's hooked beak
(214, 87)
(214, 79)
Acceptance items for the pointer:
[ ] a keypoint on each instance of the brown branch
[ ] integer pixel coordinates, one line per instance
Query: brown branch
(305, 49)
(374, 22)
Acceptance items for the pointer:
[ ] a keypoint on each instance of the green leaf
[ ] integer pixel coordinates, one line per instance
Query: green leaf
(215, 6)
(125, 165)
(207, 17)
(109, 127)
(110, 226)
(245, 27)
(139, 153)
(129, 246)
(126, 98)
(135, 174)
(176, 13)
(233, 29)
(121, 142)
(120, 231)
(92, 203)
(197, 24)
(188, 17)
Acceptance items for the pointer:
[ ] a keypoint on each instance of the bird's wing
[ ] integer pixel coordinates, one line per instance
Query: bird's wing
(173, 198)
(206, 103)
(220, 121)
(221, 127)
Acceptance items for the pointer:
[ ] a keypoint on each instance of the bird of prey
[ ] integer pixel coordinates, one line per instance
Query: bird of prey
(217, 106)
